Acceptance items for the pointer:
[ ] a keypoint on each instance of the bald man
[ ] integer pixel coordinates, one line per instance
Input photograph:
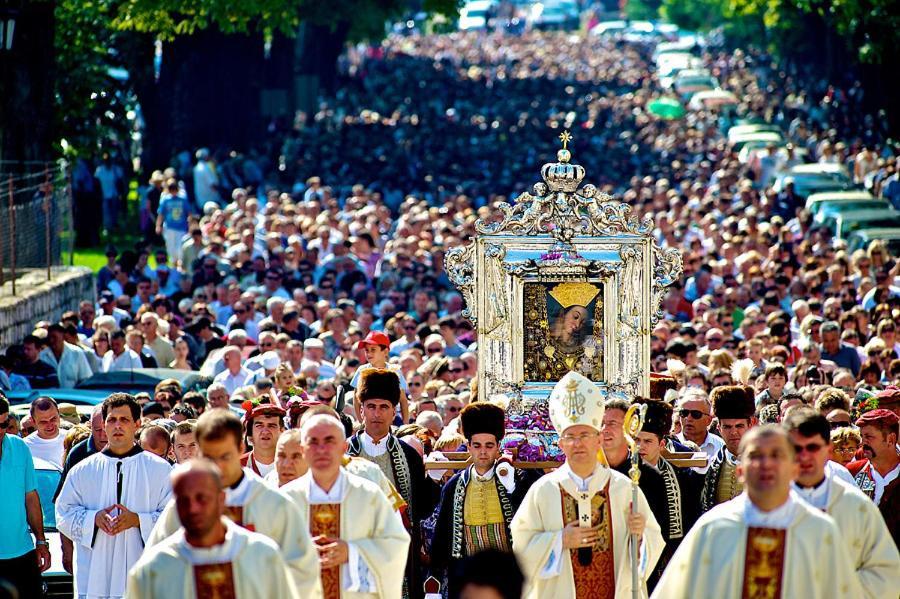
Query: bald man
(209, 556)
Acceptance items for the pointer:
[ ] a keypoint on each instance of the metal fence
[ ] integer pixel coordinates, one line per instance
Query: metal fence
(36, 226)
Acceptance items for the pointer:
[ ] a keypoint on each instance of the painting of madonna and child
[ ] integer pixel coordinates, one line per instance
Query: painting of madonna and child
(563, 324)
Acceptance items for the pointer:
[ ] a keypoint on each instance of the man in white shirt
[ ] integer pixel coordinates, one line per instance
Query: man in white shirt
(235, 375)
(120, 357)
(695, 412)
(206, 181)
(70, 362)
(46, 442)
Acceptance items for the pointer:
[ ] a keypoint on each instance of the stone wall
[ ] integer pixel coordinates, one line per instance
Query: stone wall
(38, 299)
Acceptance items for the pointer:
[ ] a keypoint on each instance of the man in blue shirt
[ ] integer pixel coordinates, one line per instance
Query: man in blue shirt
(21, 563)
(844, 356)
(172, 218)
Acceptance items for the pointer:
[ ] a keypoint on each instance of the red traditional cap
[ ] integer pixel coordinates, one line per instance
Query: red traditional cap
(252, 410)
(375, 338)
(879, 418)
(890, 396)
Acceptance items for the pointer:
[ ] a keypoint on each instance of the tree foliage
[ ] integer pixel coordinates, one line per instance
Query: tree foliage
(99, 41)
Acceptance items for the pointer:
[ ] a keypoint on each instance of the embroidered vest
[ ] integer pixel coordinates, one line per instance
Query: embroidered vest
(728, 486)
(485, 526)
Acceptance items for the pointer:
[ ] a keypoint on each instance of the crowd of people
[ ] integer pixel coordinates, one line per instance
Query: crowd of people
(312, 296)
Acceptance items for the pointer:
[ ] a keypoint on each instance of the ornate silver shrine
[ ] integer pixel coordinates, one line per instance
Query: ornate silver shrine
(566, 278)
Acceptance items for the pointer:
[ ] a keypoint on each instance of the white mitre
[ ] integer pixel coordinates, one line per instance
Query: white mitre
(575, 400)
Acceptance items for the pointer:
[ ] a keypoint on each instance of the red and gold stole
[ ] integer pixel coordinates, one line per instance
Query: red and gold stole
(214, 581)
(597, 580)
(325, 519)
(235, 513)
(764, 563)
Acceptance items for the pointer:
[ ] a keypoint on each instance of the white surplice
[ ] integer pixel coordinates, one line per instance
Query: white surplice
(270, 513)
(377, 542)
(537, 533)
(710, 560)
(102, 561)
(866, 536)
(166, 571)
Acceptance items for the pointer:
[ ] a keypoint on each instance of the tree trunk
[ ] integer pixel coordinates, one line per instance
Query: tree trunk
(27, 75)
(209, 93)
(318, 48)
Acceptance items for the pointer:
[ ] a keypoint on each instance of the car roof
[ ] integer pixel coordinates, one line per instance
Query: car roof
(839, 196)
(817, 168)
(878, 233)
(139, 379)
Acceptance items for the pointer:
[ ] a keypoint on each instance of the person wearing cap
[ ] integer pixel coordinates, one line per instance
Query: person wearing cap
(377, 346)
(878, 474)
(873, 553)
(263, 366)
(264, 423)
(249, 502)
(107, 304)
(477, 503)
(314, 354)
(362, 544)
(734, 407)
(378, 394)
(767, 542)
(681, 485)
(571, 533)
(182, 566)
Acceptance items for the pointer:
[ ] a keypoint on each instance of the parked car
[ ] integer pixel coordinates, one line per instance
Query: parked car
(842, 225)
(758, 139)
(814, 178)
(830, 210)
(861, 238)
(745, 128)
(555, 14)
(474, 14)
(818, 201)
(57, 582)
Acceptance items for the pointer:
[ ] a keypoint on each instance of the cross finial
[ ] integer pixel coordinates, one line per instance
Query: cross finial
(565, 137)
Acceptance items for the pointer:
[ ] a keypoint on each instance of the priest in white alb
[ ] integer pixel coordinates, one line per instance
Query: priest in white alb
(361, 539)
(572, 531)
(209, 556)
(110, 502)
(766, 543)
(865, 535)
(249, 502)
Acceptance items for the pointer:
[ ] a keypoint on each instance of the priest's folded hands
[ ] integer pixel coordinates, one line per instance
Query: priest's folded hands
(113, 525)
(332, 552)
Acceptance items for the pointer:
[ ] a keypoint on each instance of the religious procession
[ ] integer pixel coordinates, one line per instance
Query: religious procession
(341, 354)
(574, 471)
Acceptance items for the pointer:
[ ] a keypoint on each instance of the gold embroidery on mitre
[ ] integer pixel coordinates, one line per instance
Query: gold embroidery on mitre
(574, 401)
(574, 294)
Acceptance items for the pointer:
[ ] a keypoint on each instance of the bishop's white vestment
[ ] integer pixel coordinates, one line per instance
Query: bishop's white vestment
(538, 524)
(247, 565)
(712, 561)
(259, 508)
(356, 511)
(138, 480)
